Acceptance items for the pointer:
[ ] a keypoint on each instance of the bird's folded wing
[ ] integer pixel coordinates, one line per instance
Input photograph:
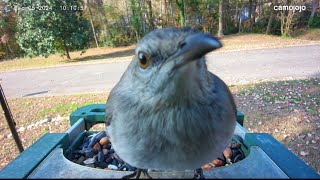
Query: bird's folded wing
(218, 87)
(108, 114)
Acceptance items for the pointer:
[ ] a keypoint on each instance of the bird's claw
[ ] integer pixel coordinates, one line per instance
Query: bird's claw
(198, 174)
(137, 174)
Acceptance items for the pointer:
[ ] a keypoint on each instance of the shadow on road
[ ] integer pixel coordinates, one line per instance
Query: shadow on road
(315, 75)
(36, 93)
(124, 53)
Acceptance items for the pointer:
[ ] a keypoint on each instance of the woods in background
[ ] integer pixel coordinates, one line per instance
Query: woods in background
(61, 26)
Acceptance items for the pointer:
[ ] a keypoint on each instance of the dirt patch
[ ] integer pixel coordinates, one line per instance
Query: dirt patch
(304, 34)
(288, 110)
(36, 116)
(260, 41)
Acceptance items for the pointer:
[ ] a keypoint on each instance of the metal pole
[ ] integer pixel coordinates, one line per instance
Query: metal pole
(9, 118)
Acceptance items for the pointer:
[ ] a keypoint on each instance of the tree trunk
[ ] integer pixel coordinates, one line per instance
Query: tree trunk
(161, 14)
(6, 48)
(240, 16)
(315, 4)
(204, 20)
(253, 14)
(171, 13)
(250, 15)
(287, 24)
(225, 17)
(127, 12)
(240, 25)
(66, 50)
(135, 20)
(220, 30)
(9, 49)
(261, 9)
(144, 17)
(236, 16)
(150, 16)
(271, 17)
(182, 15)
(93, 29)
(282, 22)
(103, 20)
(166, 12)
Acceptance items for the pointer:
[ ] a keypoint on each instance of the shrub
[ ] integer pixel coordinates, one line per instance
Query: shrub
(2, 51)
(315, 23)
(117, 40)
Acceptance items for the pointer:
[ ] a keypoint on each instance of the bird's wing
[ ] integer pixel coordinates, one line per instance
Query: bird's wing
(108, 113)
(220, 87)
(108, 118)
(113, 94)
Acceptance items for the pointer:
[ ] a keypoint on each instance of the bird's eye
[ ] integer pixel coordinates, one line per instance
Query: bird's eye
(143, 60)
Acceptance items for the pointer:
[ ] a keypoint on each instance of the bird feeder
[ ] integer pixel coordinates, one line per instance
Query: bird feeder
(265, 157)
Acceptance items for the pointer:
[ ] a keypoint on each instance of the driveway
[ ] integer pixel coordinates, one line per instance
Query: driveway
(235, 67)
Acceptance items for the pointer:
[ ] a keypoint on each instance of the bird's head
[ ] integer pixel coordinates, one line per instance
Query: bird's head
(171, 61)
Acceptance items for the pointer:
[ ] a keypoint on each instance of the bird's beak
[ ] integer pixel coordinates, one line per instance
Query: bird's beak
(196, 46)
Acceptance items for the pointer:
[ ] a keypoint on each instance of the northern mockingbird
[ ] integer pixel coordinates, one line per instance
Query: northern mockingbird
(168, 112)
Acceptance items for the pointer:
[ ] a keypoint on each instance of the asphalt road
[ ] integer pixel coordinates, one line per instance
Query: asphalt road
(236, 67)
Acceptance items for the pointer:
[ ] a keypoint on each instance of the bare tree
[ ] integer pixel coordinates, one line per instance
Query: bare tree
(181, 4)
(287, 19)
(240, 16)
(236, 15)
(220, 30)
(166, 12)
(253, 14)
(205, 19)
(150, 15)
(271, 17)
(315, 4)
(261, 9)
(250, 14)
(92, 25)
(171, 13)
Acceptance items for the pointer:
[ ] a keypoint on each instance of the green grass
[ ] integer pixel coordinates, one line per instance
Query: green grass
(28, 63)
(280, 91)
(58, 109)
(286, 37)
(65, 109)
(312, 111)
(246, 89)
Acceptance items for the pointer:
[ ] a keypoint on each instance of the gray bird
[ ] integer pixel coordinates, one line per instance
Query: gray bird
(168, 112)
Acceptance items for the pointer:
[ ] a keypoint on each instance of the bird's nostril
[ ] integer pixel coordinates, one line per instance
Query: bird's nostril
(182, 45)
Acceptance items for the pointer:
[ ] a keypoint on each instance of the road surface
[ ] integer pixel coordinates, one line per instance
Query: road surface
(236, 67)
